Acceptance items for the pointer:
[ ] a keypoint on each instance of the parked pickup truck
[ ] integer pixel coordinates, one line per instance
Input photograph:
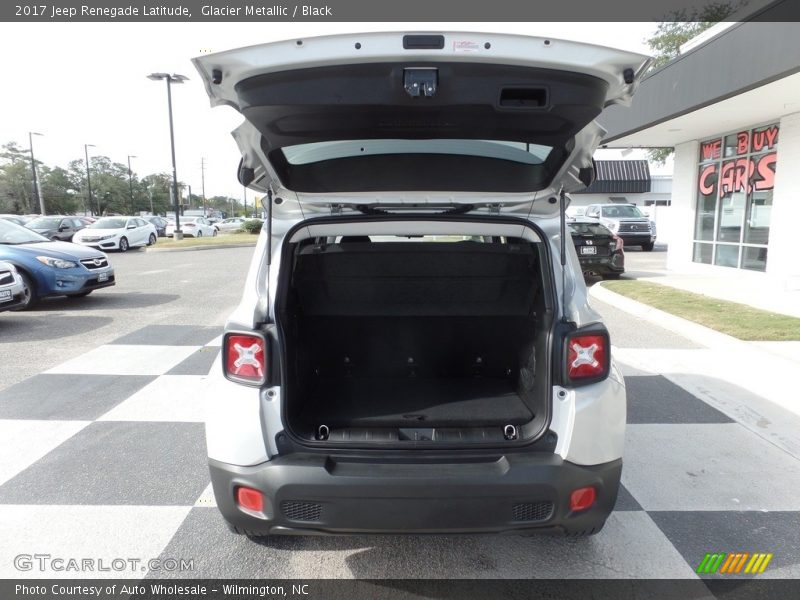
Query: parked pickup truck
(627, 221)
(413, 350)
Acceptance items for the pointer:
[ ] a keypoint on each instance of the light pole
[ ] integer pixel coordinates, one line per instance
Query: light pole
(130, 178)
(36, 194)
(88, 176)
(203, 184)
(170, 79)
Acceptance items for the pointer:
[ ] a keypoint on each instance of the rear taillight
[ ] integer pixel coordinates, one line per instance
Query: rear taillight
(244, 358)
(618, 243)
(250, 499)
(582, 498)
(588, 356)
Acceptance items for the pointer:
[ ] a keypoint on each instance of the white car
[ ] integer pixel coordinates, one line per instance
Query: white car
(230, 225)
(414, 350)
(12, 288)
(192, 226)
(117, 233)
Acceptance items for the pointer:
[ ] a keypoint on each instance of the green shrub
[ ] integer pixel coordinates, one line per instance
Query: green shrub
(252, 225)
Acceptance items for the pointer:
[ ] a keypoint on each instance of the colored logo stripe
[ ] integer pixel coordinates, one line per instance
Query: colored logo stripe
(734, 562)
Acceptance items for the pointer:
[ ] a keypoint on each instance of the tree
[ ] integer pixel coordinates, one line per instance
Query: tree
(679, 27)
(16, 180)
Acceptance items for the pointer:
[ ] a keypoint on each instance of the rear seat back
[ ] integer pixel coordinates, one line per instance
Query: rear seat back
(417, 279)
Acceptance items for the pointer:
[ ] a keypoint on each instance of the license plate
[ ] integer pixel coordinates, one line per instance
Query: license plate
(102, 277)
(588, 250)
(5, 295)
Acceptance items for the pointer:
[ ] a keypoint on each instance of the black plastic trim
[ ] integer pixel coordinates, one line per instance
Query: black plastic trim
(423, 42)
(380, 495)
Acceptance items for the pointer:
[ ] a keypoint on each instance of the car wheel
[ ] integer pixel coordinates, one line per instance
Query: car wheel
(123, 245)
(152, 239)
(648, 247)
(214, 233)
(54, 239)
(29, 294)
(199, 234)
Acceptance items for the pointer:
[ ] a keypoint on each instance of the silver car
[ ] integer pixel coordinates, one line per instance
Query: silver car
(12, 289)
(414, 350)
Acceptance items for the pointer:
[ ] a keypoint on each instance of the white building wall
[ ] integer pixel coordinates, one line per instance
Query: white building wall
(783, 239)
(684, 186)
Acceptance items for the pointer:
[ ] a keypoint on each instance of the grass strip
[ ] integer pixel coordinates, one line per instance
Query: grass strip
(737, 320)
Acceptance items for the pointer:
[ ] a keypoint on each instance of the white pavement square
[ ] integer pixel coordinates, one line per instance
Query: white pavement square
(118, 359)
(101, 533)
(168, 398)
(708, 467)
(22, 442)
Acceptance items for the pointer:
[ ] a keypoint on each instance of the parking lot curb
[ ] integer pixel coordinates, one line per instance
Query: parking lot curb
(219, 247)
(699, 334)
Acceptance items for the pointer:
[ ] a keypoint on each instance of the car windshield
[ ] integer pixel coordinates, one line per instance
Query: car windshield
(108, 223)
(624, 211)
(11, 233)
(44, 223)
(588, 229)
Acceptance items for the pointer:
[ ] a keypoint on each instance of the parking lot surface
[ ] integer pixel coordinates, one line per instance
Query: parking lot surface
(102, 452)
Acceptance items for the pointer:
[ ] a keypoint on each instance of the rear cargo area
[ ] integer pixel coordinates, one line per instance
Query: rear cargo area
(415, 340)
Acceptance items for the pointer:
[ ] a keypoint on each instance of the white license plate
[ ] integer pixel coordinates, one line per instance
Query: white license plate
(588, 250)
(5, 295)
(102, 277)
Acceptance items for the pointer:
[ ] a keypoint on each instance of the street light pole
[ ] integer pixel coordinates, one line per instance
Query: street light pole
(36, 194)
(203, 184)
(170, 79)
(130, 179)
(88, 177)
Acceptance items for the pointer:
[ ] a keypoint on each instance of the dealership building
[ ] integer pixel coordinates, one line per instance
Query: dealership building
(730, 106)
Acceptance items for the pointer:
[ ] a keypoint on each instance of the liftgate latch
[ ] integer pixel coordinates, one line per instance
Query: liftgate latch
(421, 81)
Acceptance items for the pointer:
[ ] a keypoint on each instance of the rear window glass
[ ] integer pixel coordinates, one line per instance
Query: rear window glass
(588, 229)
(520, 152)
(621, 212)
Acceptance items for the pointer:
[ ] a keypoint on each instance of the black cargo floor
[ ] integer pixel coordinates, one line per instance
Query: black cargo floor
(410, 402)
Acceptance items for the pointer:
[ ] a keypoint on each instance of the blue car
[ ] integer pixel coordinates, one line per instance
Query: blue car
(52, 268)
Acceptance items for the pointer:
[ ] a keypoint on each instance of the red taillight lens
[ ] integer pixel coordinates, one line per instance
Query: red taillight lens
(582, 498)
(618, 243)
(588, 356)
(245, 358)
(250, 499)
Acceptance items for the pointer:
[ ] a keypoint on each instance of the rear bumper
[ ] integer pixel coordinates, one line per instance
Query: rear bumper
(317, 494)
(634, 239)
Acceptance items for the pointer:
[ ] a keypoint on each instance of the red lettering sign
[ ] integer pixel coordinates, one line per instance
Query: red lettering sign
(742, 142)
(708, 179)
(745, 174)
(766, 171)
(765, 139)
(710, 150)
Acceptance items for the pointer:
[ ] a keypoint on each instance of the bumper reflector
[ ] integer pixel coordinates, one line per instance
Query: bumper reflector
(250, 499)
(582, 498)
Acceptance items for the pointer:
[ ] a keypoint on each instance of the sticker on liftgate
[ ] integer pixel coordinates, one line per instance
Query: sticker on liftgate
(465, 46)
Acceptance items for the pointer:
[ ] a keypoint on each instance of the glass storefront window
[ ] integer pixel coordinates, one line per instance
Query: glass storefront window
(734, 198)
(754, 259)
(706, 203)
(759, 213)
(727, 255)
(731, 215)
(703, 253)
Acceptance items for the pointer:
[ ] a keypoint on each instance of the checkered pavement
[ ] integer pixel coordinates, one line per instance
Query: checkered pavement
(104, 457)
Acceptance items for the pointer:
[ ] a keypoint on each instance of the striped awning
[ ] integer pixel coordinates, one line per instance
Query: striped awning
(620, 177)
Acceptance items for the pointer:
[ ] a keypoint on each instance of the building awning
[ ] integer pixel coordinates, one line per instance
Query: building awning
(620, 177)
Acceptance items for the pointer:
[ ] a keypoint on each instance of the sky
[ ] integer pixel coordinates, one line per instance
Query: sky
(85, 83)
